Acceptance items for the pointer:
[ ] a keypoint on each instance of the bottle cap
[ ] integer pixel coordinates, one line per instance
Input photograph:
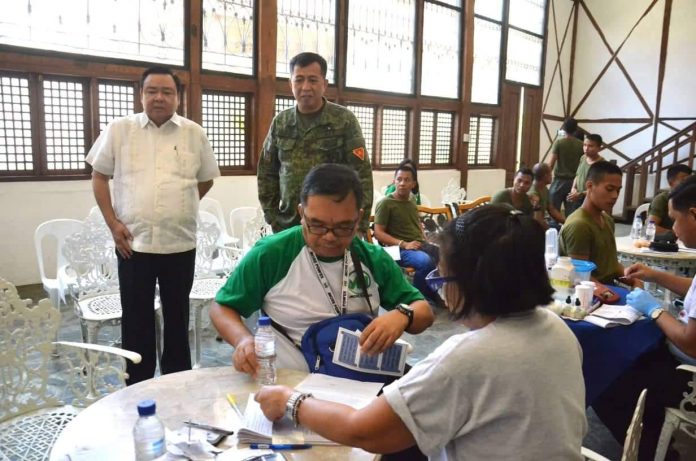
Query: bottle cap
(568, 300)
(147, 407)
(264, 321)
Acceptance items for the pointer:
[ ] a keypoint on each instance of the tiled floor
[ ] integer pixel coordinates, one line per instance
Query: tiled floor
(216, 353)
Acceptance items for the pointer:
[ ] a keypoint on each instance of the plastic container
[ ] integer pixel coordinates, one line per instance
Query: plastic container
(650, 231)
(562, 277)
(551, 252)
(583, 270)
(637, 228)
(264, 343)
(148, 433)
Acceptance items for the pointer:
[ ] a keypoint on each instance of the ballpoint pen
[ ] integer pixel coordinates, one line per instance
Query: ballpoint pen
(279, 446)
(233, 403)
(208, 427)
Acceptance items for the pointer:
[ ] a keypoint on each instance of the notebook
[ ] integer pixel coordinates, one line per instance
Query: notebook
(609, 316)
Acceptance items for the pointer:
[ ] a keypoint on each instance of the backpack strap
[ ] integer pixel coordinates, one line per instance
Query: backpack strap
(361, 278)
(276, 326)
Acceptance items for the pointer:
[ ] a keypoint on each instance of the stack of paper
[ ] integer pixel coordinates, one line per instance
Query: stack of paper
(609, 316)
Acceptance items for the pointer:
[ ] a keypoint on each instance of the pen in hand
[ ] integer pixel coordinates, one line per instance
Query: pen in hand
(279, 446)
(233, 404)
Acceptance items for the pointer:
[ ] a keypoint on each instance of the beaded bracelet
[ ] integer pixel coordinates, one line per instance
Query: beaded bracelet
(296, 407)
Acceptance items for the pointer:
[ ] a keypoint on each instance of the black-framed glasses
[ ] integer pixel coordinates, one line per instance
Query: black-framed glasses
(436, 281)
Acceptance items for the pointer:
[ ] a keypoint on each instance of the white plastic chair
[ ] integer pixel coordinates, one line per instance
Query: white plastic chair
(643, 208)
(238, 218)
(214, 207)
(31, 415)
(632, 441)
(683, 418)
(58, 229)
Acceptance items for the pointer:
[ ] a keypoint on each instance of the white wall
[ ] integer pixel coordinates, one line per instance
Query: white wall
(28, 204)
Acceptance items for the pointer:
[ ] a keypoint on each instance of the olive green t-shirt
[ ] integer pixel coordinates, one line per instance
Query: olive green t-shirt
(505, 196)
(581, 173)
(659, 208)
(400, 218)
(568, 152)
(582, 236)
(543, 195)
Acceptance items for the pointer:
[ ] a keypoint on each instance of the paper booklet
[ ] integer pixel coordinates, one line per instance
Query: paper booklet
(257, 428)
(347, 354)
(609, 316)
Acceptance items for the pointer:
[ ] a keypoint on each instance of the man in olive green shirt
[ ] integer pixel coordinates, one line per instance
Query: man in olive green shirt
(591, 147)
(516, 196)
(539, 196)
(313, 132)
(397, 223)
(658, 207)
(588, 233)
(564, 159)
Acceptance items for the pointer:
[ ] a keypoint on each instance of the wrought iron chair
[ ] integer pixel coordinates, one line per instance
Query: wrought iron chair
(452, 192)
(214, 207)
(31, 413)
(238, 217)
(683, 418)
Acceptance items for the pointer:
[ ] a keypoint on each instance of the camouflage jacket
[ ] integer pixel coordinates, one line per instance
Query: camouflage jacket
(288, 155)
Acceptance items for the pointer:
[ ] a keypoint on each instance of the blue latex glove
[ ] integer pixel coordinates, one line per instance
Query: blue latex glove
(642, 301)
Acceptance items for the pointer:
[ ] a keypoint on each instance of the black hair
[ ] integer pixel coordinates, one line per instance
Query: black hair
(408, 165)
(492, 247)
(159, 70)
(595, 138)
(599, 170)
(307, 58)
(683, 196)
(570, 126)
(540, 170)
(332, 179)
(525, 171)
(674, 170)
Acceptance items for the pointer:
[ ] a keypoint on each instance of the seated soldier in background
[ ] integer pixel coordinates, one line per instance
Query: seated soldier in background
(539, 196)
(397, 224)
(516, 196)
(588, 233)
(591, 147)
(658, 207)
(415, 190)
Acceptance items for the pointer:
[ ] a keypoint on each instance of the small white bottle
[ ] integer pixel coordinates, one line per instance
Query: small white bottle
(148, 433)
(264, 343)
(551, 253)
(637, 227)
(562, 276)
(650, 231)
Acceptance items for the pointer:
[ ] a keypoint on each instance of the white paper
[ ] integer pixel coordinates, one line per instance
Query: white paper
(394, 252)
(611, 315)
(356, 394)
(347, 354)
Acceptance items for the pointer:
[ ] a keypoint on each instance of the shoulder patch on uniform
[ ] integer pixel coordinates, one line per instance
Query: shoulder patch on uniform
(359, 152)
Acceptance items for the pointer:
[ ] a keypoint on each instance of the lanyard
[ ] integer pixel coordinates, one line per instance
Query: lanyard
(325, 282)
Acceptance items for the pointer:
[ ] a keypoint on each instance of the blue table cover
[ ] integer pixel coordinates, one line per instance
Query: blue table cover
(609, 352)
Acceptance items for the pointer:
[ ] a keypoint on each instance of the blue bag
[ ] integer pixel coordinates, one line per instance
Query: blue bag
(319, 342)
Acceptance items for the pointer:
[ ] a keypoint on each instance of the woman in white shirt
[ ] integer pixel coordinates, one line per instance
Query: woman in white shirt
(511, 388)
(656, 371)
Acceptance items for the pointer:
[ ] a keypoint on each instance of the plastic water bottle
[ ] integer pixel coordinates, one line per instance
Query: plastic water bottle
(148, 433)
(650, 231)
(637, 227)
(264, 343)
(551, 253)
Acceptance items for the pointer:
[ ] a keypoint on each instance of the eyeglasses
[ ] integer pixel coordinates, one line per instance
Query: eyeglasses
(338, 231)
(435, 281)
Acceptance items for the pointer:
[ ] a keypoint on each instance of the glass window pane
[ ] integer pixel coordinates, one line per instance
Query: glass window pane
(440, 76)
(443, 138)
(15, 125)
(486, 72)
(366, 118)
(228, 36)
(394, 122)
(145, 31)
(523, 62)
(282, 103)
(528, 15)
(425, 148)
(381, 45)
(457, 3)
(224, 120)
(115, 100)
(481, 139)
(306, 25)
(492, 9)
(65, 131)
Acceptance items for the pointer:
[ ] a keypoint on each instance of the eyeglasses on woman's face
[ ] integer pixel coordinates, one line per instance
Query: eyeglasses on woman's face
(436, 281)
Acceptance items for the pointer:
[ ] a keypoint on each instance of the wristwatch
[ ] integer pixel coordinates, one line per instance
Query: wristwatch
(656, 313)
(407, 311)
(290, 405)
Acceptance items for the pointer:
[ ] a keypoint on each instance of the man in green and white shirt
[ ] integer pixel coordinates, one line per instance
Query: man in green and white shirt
(299, 277)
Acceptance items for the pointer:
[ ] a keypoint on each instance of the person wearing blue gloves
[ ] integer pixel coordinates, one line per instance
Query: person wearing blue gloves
(656, 370)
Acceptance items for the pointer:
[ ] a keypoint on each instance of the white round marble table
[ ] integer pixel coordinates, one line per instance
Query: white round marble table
(104, 428)
(682, 262)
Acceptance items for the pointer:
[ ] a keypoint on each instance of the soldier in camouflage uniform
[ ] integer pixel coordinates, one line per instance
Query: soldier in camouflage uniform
(314, 131)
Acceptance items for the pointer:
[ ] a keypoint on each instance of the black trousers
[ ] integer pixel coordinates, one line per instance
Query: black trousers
(137, 277)
(656, 372)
